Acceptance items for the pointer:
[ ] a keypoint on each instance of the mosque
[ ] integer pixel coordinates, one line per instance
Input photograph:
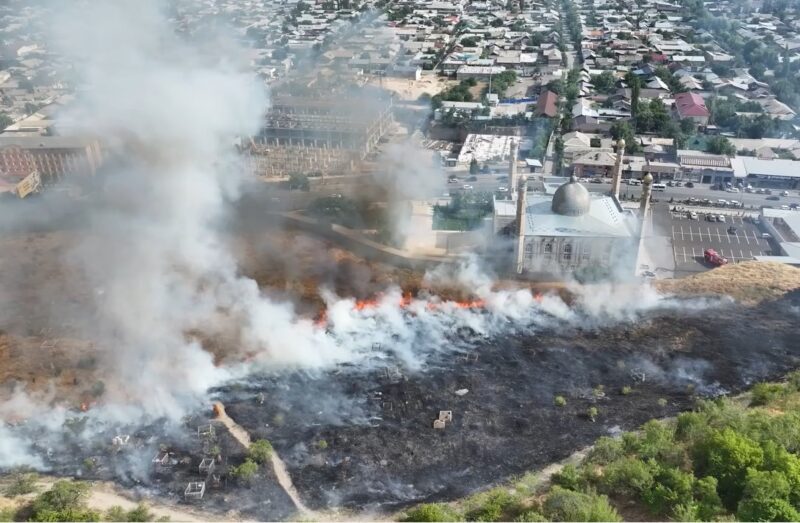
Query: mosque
(572, 231)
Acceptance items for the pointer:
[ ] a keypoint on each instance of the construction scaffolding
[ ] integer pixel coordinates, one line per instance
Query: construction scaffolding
(319, 136)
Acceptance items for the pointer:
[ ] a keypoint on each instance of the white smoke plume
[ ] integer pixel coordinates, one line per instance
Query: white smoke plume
(173, 110)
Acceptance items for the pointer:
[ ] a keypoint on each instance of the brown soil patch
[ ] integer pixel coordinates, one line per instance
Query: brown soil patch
(748, 282)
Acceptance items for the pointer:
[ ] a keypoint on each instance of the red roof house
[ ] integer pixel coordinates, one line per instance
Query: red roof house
(547, 104)
(692, 106)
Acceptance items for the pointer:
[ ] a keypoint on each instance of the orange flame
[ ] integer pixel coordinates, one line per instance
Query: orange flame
(84, 406)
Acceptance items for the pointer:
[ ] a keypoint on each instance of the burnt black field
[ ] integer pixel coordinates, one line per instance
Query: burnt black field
(366, 441)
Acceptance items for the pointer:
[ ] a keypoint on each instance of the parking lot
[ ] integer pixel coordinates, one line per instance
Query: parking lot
(691, 237)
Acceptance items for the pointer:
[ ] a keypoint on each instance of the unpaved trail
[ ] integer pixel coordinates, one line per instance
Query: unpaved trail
(278, 466)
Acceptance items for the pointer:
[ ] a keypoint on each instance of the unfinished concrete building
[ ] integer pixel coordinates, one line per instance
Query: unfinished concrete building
(319, 136)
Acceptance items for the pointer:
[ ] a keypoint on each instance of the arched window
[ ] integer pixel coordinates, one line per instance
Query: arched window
(548, 248)
(529, 250)
(567, 251)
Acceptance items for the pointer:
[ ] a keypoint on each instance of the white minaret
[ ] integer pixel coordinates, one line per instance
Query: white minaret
(512, 164)
(644, 208)
(644, 205)
(617, 175)
(519, 251)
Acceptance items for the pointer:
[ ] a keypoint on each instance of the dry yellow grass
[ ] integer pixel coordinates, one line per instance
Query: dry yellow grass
(747, 282)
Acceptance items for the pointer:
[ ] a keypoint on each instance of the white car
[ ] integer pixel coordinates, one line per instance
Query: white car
(731, 189)
(692, 215)
(502, 188)
(468, 187)
(785, 193)
(721, 218)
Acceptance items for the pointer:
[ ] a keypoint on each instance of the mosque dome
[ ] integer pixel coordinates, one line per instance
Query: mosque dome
(572, 199)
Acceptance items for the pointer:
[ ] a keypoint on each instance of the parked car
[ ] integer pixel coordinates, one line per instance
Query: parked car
(711, 217)
(773, 198)
(472, 179)
(785, 207)
(731, 189)
(721, 218)
(692, 215)
(670, 184)
(467, 187)
(634, 181)
(766, 235)
(761, 191)
(452, 179)
(785, 193)
(690, 185)
(731, 230)
(596, 180)
(711, 256)
(793, 206)
(502, 188)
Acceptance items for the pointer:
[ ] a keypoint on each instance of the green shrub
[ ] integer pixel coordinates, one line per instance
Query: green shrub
(727, 456)
(431, 512)
(246, 471)
(567, 505)
(764, 393)
(628, 476)
(560, 401)
(769, 509)
(530, 515)
(322, 444)
(21, 483)
(568, 477)
(626, 390)
(498, 502)
(140, 513)
(592, 413)
(65, 501)
(662, 402)
(670, 488)
(606, 450)
(709, 505)
(260, 451)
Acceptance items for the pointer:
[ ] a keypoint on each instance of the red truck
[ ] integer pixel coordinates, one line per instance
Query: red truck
(711, 256)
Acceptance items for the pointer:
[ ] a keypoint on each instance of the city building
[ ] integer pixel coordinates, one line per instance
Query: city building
(53, 157)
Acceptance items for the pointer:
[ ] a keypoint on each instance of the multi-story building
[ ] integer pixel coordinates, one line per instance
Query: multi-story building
(53, 157)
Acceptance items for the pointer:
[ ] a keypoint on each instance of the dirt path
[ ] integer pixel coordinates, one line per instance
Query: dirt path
(278, 466)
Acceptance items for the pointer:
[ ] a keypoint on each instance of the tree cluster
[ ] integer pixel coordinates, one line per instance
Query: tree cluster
(718, 461)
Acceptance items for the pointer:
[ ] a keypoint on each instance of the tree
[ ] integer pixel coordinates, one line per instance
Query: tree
(620, 129)
(670, 488)
(727, 456)
(65, 501)
(5, 121)
(604, 82)
(431, 512)
(260, 451)
(766, 498)
(473, 166)
(299, 181)
(720, 145)
(140, 513)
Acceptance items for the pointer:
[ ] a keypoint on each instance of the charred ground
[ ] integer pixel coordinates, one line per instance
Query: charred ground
(359, 441)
